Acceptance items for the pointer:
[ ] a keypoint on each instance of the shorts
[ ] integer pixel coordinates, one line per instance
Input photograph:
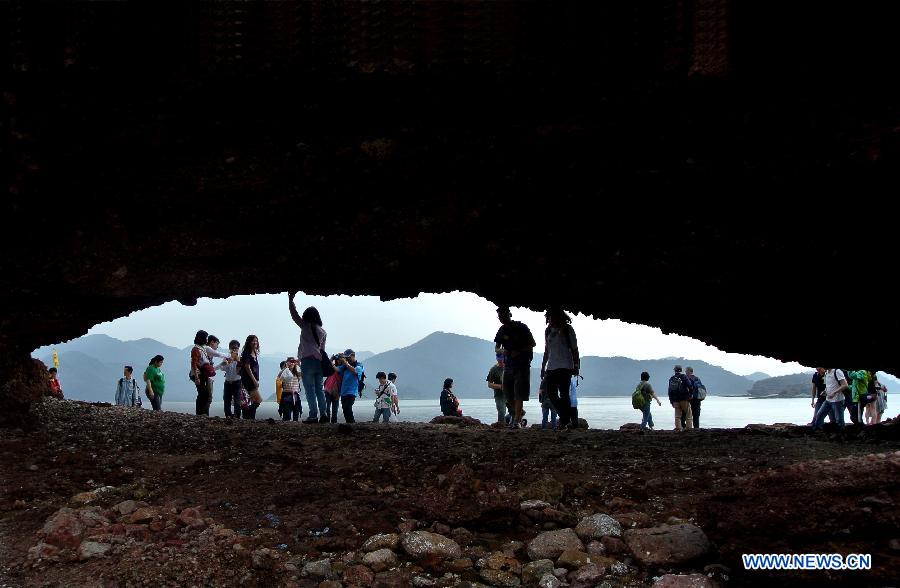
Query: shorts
(517, 384)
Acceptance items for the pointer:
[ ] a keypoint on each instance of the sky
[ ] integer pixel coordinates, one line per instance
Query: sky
(365, 323)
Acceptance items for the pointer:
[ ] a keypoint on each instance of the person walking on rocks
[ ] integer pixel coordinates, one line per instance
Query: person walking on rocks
(697, 390)
(561, 362)
(212, 351)
(517, 343)
(250, 374)
(818, 394)
(155, 382)
(680, 397)
(127, 393)
(649, 395)
(385, 398)
(495, 383)
(311, 352)
(835, 384)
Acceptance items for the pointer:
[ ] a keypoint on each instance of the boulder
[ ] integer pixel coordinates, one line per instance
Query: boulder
(419, 544)
(551, 544)
(598, 526)
(667, 544)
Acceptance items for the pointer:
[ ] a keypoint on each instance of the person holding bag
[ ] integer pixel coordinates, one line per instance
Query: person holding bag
(250, 375)
(315, 365)
(201, 371)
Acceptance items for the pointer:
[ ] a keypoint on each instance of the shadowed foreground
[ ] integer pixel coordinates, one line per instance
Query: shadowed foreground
(195, 501)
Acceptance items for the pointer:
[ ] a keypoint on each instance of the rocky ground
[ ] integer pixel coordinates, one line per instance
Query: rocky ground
(107, 496)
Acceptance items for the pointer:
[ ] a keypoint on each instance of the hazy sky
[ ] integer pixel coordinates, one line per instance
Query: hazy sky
(364, 323)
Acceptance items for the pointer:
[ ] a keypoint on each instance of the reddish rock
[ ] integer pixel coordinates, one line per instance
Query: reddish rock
(667, 544)
(65, 529)
(138, 532)
(157, 526)
(358, 576)
(142, 515)
(587, 577)
(43, 551)
(614, 545)
(685, 581)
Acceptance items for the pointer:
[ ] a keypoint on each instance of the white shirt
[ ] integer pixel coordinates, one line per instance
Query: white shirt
(833, 384)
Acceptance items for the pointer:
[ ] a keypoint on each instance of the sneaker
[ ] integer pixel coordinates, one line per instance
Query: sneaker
(524, 423)
(516, 426)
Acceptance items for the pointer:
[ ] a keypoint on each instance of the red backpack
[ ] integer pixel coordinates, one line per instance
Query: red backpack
(333, 384)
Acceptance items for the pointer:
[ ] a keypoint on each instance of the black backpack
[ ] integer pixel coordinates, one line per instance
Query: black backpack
(677, 389)
(362, 383)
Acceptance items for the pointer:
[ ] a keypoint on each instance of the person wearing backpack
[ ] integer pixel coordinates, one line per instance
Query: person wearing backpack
(127, 393)
(332, 392)
(698, 395)
(645, 390)
(201, 371)
(385, 398)
(311, 352)
(835, 384)
(680, 398)
(352, 376)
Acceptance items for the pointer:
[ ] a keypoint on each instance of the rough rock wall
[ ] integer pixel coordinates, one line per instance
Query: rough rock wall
(707, 167)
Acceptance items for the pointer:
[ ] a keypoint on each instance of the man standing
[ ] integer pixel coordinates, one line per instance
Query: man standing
(517, 343)
(351, 375)
(818, 394)
(680, 397)
(127, 393)
(696, 386)
(495, 383)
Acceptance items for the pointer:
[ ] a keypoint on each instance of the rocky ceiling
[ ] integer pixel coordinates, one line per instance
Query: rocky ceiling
(720, 169)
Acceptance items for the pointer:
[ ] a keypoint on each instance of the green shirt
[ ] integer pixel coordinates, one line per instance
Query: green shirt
(156, 378)
(859, 383)
(495, 376)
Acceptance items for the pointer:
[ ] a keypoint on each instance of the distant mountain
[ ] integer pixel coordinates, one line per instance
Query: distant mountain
(91, 366)
(422, 367)
(757, 376)
(790, 386)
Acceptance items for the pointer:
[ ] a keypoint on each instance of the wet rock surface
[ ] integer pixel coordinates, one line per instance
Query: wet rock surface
(193, 501)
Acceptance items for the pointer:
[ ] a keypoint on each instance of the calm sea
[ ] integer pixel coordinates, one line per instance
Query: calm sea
(600, 413)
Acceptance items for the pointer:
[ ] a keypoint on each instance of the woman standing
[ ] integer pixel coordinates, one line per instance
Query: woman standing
(561, 362)
(250, 374)
(311, 352)
(155, 382)
(200, 373)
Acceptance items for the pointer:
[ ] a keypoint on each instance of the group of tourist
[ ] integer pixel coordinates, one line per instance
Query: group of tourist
(327, 381)
(857, 391)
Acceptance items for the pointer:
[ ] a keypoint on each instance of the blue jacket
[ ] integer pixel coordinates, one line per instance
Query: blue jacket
(350, 379)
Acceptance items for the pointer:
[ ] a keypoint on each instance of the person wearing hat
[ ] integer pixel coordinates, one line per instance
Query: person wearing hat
(495, 383)
(290, 404)
(351, 377)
